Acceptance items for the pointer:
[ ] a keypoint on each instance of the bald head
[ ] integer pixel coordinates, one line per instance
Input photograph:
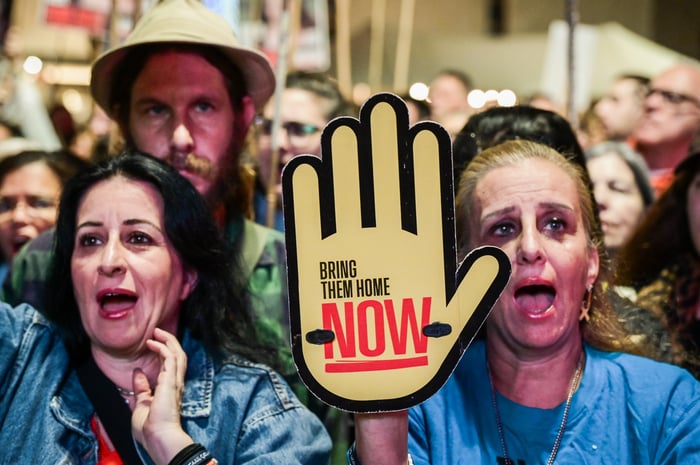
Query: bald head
(671, 116)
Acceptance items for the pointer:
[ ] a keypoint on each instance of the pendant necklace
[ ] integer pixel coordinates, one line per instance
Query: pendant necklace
(125, 393)
(575, 380)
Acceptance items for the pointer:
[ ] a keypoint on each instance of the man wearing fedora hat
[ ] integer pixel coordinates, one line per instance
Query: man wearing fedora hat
(183, 89)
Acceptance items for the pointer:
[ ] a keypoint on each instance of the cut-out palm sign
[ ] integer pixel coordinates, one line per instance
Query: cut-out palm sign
(380, 310)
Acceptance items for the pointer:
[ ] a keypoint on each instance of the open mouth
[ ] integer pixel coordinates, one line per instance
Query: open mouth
(535, 299)
(19, 242)
(117, 302)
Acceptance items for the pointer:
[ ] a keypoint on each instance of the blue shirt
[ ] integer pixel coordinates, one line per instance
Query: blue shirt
(627, 410)
(242, 412)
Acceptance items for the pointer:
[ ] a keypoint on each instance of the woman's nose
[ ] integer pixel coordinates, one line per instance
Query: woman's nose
(601, 197)
(529, 247)
(21, 213)
(112, 259)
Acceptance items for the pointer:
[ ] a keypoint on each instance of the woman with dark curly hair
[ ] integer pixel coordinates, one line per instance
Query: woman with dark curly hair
(145, 336)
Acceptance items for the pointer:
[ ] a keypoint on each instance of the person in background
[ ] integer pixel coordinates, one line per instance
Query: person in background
(544, 101)
(499, 124)
(590, 130)
(147, 353)
(93, 140)
(670, 122)
(621, 108)
(622, 190)
(418, 110)
(21, 100)
(448, 92)
(661, 261)
(30, 183)
(309, 101)
(63, 123)
(8, 130)
(552, 381)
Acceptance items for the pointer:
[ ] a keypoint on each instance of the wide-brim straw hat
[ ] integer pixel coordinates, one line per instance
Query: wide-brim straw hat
(185, 22)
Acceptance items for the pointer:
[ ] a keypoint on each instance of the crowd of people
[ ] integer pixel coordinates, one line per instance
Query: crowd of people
(145, 309)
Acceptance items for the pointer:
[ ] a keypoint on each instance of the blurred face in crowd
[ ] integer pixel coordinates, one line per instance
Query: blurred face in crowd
(303, 114)
(619, 199)
(671, 108)
(693, 212)
(621, 109)
(28, 200)
(181, 112)
(447, 95)
(128, 278)
(531, 210)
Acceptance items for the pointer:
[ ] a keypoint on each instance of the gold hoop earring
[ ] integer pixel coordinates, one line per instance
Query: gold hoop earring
(586, 306)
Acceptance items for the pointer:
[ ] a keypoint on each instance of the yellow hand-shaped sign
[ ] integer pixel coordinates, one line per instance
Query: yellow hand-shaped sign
(380, 312)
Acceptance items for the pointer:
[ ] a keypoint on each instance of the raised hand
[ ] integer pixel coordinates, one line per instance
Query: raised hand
(380, 312)
(155, 421)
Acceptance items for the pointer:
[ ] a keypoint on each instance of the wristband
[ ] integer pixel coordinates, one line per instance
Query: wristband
(194, 454)
(352, 458)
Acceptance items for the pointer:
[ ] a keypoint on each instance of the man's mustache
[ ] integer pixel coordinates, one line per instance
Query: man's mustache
(194, 164)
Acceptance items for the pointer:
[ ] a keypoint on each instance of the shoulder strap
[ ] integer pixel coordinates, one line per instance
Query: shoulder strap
(114, 413)
(254, 239)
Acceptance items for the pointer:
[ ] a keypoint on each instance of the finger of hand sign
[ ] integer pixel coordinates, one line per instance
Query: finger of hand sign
(385, 167)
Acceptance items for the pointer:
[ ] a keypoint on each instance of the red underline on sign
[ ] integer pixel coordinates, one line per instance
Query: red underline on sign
(376, 365)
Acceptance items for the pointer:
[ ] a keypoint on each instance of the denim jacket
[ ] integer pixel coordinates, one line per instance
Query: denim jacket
(242, 412)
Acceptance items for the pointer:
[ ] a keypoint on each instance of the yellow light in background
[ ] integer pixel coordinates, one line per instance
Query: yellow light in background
(66, 75)
(491, 95)
(418, 91)
(32, 65)
(476, 98)
(507, 98)
(73, 101)
(361, 92)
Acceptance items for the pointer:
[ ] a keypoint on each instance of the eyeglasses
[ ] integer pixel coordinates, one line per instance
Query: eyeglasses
(34, 205)
(674, 98)
(293, 128)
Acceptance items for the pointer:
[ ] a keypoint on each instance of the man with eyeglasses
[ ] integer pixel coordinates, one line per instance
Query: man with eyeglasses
(308, 102)
(670, 121)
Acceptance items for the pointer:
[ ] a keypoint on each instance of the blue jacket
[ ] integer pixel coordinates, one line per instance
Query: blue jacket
(242, 412)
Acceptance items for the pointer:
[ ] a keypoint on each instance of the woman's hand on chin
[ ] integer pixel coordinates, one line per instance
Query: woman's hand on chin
(155, 421)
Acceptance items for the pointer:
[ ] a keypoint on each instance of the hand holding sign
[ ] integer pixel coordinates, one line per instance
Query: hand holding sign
(380, 312)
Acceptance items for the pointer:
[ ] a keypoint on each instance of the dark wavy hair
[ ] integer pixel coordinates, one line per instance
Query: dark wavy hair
(663, 236)
(216, 312)
(62, 163)
(499, 124)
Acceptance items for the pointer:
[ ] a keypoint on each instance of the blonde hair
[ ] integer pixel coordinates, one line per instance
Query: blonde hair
(603, 330)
